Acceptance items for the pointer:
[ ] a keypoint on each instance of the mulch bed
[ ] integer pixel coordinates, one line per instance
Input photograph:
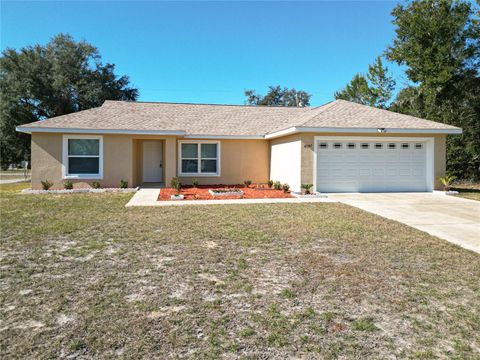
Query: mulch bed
(255, 191)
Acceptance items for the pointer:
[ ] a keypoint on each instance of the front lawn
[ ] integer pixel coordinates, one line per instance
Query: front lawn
(468, 190)
(83, 276)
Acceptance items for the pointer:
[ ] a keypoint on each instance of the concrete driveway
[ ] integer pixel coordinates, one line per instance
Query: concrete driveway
(451, 218)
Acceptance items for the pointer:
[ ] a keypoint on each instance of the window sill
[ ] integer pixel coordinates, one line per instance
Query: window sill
(83, 177)
(198, 175)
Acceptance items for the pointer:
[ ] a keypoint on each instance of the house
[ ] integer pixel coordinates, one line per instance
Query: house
(338, 147)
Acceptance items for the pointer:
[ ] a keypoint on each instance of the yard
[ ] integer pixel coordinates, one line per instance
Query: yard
(468, 190)
(82, 276)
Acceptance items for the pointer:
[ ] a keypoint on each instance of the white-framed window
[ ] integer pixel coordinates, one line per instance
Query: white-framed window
(198, 158)
(82, 157)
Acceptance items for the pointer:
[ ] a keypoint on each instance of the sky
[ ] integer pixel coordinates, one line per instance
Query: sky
(210, 52)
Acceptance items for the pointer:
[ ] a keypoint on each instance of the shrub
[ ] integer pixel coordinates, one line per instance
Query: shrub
(96, 184)
(176, 184)
(270, 183)
(247, 183)
(277, 185)
(68, 185)
(447, 181)
(285, 187)
(46, 185)
(195, 183)
(123, 184)
(307, 188)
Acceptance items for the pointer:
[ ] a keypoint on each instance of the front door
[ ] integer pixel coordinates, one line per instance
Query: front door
(152, 161)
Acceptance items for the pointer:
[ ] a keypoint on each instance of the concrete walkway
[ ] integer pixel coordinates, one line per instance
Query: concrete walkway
(450, 218)
(12, 181)
(148, 197)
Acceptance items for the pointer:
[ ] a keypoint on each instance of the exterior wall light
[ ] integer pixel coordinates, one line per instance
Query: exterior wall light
(308, 146)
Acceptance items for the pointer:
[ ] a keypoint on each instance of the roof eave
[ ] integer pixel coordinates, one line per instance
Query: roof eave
(299, 129)
(29, 130)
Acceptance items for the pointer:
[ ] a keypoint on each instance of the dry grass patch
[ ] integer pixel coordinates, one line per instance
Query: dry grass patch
(468, 190)
(82, 276)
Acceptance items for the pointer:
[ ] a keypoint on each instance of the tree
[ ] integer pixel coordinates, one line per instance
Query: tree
(39, 82)
(438, 42)
(276, 96)
(374, 89)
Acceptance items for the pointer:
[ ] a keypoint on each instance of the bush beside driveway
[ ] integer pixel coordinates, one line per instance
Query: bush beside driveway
(83, 276)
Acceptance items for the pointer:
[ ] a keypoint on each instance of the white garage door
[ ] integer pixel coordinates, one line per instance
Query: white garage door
(371, 166)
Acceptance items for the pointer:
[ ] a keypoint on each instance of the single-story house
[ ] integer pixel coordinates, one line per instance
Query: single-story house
(338, 147)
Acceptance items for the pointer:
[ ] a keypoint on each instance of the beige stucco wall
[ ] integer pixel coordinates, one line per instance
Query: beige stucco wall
(308, 158)
(240, 160)
(118, 161)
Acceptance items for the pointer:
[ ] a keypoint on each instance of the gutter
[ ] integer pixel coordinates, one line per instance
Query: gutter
(300, 129)
(276, 134)
(29, 130)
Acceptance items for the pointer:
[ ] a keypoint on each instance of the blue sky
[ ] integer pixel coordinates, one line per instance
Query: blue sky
(210, 52)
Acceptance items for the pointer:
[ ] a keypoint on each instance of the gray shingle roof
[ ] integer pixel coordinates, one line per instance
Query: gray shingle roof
(233, 120)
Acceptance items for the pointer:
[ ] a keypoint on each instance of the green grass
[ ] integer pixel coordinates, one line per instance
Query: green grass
(468, 190)
(83, 276)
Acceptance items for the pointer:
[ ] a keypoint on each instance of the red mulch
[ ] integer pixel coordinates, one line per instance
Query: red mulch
(256, 191)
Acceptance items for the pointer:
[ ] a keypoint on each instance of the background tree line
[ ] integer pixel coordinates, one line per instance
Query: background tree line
(39, 82)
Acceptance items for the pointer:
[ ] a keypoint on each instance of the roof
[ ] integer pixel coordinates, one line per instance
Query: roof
(229, 120)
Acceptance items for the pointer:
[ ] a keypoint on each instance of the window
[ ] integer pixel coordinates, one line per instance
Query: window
(199, 158)
(82, 156)
(337, 146)
(323, 145)
(378, 146)
(365, 146)
(351, 145)
(405, 146)
(418, 146)
(392, 146)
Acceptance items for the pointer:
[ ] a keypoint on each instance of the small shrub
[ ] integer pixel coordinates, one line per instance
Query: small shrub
(447, 181)
(46, 185)
(247, 183)
(277, 185)
(307, 188)
(285, 187)
(176, 184)
(96, 184)
(68, 185)
(123, 184)
(194, 183)
(270, 183)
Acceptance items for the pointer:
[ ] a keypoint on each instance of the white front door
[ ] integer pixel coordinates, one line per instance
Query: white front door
(371, 165)
(152, 161)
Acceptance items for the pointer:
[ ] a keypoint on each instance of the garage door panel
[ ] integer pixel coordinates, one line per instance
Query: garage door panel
(371, 169)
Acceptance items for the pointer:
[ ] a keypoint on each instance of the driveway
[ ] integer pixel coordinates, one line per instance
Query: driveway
(454, 219)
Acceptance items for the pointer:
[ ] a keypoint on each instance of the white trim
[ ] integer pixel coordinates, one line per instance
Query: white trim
(288, 131)
(65, 174)
(298, 129)
(198, 174)
(239, 137)
(430, 152)
(29, 130)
